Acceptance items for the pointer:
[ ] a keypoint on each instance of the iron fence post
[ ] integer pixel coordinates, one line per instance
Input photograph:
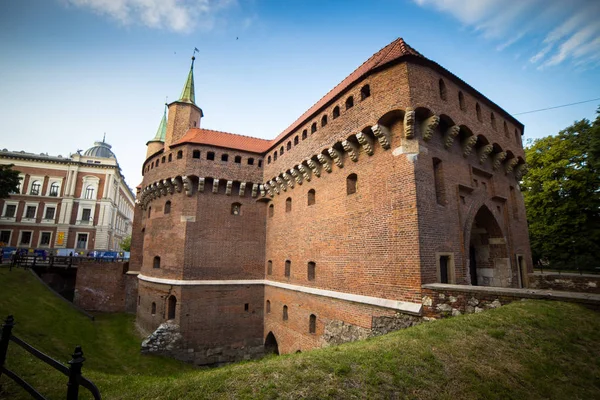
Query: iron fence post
(75, 373)
(6, 332)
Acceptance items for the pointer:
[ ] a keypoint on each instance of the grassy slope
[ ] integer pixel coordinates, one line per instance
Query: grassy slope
(526, 350)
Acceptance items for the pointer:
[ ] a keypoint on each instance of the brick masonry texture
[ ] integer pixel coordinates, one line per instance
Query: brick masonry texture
(426, 193)
(567, 282)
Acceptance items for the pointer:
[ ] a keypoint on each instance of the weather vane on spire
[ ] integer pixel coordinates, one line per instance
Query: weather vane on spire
(194, 55)
(104, 137)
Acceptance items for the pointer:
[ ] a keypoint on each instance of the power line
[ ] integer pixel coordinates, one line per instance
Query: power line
(552, 108)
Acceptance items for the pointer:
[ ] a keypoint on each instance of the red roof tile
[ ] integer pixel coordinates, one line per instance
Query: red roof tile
(224, 139)
(393, 51)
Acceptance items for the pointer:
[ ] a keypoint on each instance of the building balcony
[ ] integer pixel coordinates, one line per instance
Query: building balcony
(84, 222)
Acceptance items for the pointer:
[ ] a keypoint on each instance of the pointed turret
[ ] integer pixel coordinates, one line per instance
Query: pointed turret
(158, 142)
(184, 114)
(187, 94)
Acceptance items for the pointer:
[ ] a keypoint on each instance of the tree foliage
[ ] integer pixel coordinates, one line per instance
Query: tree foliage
(126, 243)
(562, 196)
(9, 180)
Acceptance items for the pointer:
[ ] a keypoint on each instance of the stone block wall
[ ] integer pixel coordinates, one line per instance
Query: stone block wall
(567, 282)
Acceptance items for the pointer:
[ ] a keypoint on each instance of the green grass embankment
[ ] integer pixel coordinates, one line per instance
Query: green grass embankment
(526, 350)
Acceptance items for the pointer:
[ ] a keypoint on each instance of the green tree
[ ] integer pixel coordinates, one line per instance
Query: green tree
(562, 196)
(126, 243)
(9, 180)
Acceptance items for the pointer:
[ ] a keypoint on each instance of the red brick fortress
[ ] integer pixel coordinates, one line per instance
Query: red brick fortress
(401, 175)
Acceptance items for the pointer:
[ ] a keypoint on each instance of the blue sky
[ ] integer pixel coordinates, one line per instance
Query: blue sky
(71, 70)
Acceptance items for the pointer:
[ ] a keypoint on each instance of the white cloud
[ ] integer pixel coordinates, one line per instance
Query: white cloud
(181, 16)
(563, 31)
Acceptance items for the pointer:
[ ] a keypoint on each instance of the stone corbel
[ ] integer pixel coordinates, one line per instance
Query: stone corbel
(429, 126)
(256, 187)
(288, 179)
(325, 161)
(469, 144)
(296, 176)
(228, 188)
(351, 149)
(313, 167)
(242, 189)
(510, 165)
(187, 185)
(167, 184)
(274, 186)
(336, 156)
(382, 134)
(521, 170)
(215, 188)
(281, 183)
(498, 158)
(177, 183)
(409, 123)
(201, 182)
(485, 152)
(451, 133)
(269, 189)
(366, 142)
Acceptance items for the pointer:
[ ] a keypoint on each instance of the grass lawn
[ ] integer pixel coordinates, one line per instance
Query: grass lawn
(526, 350)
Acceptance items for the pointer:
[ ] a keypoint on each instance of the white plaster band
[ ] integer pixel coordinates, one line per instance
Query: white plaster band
(405, 306)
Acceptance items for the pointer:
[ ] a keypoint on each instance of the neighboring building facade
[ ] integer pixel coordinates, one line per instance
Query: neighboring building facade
(402, 175)
(79, 202)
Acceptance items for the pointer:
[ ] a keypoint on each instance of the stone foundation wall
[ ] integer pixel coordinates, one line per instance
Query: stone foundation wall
(565, 282)
(105, 287)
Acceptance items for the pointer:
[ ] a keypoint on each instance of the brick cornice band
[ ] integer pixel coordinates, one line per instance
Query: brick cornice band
(404, 306)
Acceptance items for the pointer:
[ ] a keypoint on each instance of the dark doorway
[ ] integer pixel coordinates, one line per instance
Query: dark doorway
(171, 307)
(444, 269)
(271, 344)
(522, 271)
(473, 266)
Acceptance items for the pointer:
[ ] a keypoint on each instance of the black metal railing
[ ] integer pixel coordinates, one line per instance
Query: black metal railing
(32, 261)
(73, 371)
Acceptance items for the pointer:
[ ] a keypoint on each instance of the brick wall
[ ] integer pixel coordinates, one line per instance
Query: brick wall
(105, 287)
(565, 282)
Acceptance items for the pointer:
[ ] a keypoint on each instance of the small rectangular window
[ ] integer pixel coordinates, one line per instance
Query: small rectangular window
(196, 154)
(438, 180)
(30, 212)
(45, 239)
(246, 307)
(11, 209)
(50, 213)
(251, 161)
(25, 238)
(4, 238)
(210, 156)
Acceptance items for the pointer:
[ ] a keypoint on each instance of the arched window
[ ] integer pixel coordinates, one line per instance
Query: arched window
(268, 307)
(259, 163)
(157, 162)
(289, 145)
(179, 154)
(89, 192)
(281, 151)
(163, 159)
(438, 179)
(168, 207)
(365, 92)
(271, 210)
(349, 102)
(288, 204)
(251, 161)
(285, 313)
(269, 267)
(288, 268)
(35, 188)
(269, 160)
(478, 111)
(196, 154)
(296, 140)
(506, 130)
(313, 127)
(171, 306)
(517, 138)
(442, 87)
(225, 157)
(170, 157)
(311, 271)
(149, 211)
(153, 310)
(324, 120)
(461, 101)
(311, 197)
(156, 263)
(210, 156)
(312, 323)
(493, 120)
(54, 189)
(304, 134)
(237, 160)
(236, 208)
(275, 156)
(336, 112)
(351, 182)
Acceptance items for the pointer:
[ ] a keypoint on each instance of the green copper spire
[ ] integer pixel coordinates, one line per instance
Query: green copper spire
(161, 133)
(187, 95)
